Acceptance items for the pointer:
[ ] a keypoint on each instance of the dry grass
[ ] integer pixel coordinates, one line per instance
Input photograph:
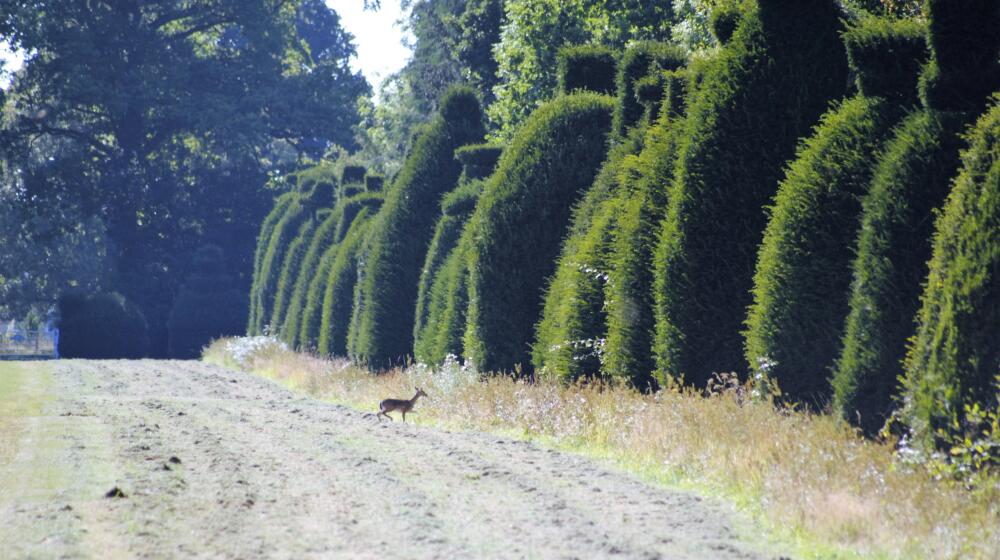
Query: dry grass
(809, 478)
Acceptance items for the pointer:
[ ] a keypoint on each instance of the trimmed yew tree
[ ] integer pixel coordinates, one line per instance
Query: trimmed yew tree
(281, 206)
(401, 234)
(586, 67)
(519, 223)
(338, 287)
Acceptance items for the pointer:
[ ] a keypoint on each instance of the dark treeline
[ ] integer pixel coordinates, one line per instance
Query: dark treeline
(804, 193)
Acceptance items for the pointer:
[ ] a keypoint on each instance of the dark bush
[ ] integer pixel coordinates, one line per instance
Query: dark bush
(763, 92)
(100, 327)
(518, 225)
(455, 209)
(263, 240)
(965, 46)
(374, 183)
(628, 352)
(353, 174)
(723, 21)
(207, 307)
(339, 287)
(402, 232)
(323, 254)
(954, 359)
(478, 160)
(885, 56)
(639, 61)
(802, 283)
(586, 67)
(911, 181)
(353, 189)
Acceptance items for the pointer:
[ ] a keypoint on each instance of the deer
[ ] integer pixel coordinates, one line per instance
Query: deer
(402, 405)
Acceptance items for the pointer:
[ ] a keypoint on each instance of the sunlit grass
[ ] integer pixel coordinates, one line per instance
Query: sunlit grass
(810, 478)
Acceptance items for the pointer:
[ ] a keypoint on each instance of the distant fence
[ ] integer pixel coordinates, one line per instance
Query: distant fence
(29, 344)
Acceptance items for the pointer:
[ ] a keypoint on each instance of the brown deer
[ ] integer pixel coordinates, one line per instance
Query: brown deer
(402, 405)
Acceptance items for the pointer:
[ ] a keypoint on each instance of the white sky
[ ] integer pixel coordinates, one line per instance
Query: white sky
(378, 37)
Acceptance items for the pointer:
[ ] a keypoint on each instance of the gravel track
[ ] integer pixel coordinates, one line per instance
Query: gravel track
(218, 464)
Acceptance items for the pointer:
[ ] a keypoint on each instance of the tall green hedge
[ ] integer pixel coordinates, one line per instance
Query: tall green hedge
(449, 302)
(455, 209)
(886, 55)
(322, 237)
(912, 179)
(586, 67)
(290, 266)
(964, 43)
(954, 359)
(281, 206)
(629, 291)
(802, 282)
(478, 161)
(207, 307)
(520, 221)
(640, 60)
(338, 288)
(763, 92)
(347, 212)
(100, 327)
(402, 232)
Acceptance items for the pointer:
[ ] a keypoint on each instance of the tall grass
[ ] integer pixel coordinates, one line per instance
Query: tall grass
(810, 478)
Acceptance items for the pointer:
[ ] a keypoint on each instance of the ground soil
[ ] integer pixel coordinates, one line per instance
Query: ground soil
(156, 459)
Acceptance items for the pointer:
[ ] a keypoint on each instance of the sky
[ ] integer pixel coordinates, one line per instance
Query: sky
(378, 36)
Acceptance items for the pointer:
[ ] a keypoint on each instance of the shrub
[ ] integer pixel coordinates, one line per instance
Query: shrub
(885, 56)
(402, 233)
(321, 238)
(478, 160)
(290, 265)
(263, 240)
(586, 67)
(316, 266)
(374, 183)
(911, 180)
(954, 359)
(629, 291)
(353, 174)
(639, 61)
(965, 45)
(802, 281)
(723, 21)
(208, 306)
(456, 207)
(520, 220)
(446, 315)
(338, 288)
(763, 91)
(102, 326)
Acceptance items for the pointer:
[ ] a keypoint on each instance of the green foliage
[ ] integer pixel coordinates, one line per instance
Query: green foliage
(446, 316)
(323, 236)
(374, 183)
(629, 291)
(478, 162)
(274, 221)
(586, 67)
(954, 358)
(763, 91)
(802, 281)
(885, 56)
(723, 21)
(965, 47)
(101, 326)
(639, 61)
(290, 266)
(402, 233)
(208, 307)
(339, 288)
(912, 179)
(316, 266)
(520, 220)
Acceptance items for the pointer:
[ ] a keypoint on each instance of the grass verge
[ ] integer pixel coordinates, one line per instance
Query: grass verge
(809, 479)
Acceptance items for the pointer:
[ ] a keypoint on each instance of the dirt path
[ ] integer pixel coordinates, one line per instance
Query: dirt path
(220, 464)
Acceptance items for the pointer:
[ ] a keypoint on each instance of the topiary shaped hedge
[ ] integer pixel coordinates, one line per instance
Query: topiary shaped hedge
(965, 46)
(954, 359)
(101, 327)
(402, 233)
(322, 237)
(519, 223)
(208, 306)
(319, 260)
(290, 266)
(281, 206)
(449, 302)
(629, 291)
(764, 91)
(456, 207)
(339, 288)
(723, 21)
(912, 179)
(639, 61)
(586, 67)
